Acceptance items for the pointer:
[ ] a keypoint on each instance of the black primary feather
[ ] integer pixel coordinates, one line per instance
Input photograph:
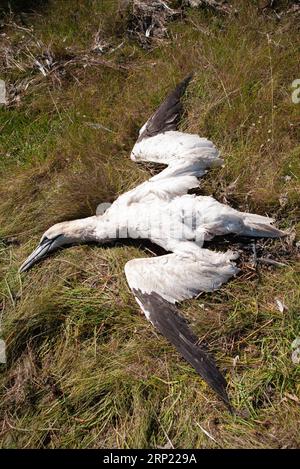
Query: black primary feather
(167, 116)
(165, 317)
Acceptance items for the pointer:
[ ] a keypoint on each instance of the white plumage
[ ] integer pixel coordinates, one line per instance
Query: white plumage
(173, 146)
(161, 210)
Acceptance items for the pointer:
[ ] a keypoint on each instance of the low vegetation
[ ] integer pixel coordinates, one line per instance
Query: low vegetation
(84, 368)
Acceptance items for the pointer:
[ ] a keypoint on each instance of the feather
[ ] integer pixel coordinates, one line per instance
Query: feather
(168, 114)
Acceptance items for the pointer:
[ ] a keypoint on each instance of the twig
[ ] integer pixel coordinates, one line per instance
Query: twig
(254, 254)
(96, 125)
(208, 434)
(164, 431)
(265, 260)
(199, 28)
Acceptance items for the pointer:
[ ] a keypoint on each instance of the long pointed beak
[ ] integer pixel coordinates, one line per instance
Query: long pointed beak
(39, 253)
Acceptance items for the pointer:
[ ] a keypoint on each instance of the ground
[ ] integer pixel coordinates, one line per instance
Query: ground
(84, 368)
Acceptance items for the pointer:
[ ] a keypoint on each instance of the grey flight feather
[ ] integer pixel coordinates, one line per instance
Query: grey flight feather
(165, 317)
(168, 114)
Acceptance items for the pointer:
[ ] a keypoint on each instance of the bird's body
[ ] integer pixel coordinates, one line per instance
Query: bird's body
(173, 221)
(162, 210)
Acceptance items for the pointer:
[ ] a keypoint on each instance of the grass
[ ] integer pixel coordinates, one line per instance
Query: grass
(85, 369)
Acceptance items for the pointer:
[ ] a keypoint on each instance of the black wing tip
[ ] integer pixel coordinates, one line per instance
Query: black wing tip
(167, 116)
(166, 318)
(182, 86)
(222, 393)
(188, 78)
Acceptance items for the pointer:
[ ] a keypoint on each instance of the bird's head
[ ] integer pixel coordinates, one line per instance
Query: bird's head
(60, 235)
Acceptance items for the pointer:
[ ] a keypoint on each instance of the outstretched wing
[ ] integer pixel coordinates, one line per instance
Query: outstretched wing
(157, 283)
(160, 141)
(188, 156)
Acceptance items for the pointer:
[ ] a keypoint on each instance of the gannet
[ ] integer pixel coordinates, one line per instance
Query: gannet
(161, 210)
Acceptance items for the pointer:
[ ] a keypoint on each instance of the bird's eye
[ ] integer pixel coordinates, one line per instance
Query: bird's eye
(44, 240)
